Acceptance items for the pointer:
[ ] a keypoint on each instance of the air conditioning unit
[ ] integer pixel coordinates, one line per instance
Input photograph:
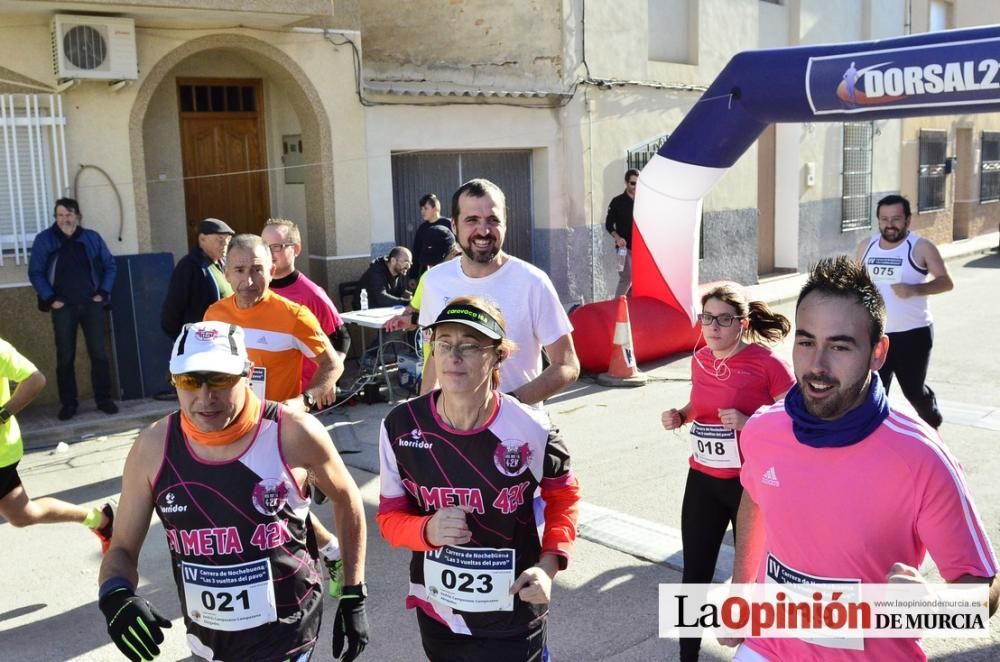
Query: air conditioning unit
(94, 48)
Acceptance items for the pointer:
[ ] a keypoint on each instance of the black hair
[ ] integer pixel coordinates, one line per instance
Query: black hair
(478, 188)
(847, 278)
(893, 200)
(429, 198)
(67, 203)
(631, 172)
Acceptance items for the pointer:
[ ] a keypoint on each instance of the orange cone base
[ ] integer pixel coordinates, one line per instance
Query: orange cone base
(607, 379)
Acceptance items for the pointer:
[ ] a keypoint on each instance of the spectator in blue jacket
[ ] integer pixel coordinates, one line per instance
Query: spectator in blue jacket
(73, 273)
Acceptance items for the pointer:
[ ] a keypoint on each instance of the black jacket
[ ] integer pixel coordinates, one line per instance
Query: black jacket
(384, 289)
(192, 290)
(431, 245)
(620, 217)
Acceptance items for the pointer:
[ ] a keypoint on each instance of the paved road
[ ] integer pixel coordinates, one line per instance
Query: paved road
(632, 475)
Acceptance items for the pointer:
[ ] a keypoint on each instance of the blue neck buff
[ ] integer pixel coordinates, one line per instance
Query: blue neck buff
(849, 429)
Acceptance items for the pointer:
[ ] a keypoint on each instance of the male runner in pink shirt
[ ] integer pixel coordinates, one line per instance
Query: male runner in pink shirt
(841, 488)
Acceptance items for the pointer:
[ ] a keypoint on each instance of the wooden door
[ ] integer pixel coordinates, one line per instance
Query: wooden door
(224, 157)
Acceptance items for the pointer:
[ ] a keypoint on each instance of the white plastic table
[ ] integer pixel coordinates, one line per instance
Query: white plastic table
(374, 318)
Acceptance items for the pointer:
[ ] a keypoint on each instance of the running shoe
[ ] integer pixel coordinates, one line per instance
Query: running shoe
(108, 509)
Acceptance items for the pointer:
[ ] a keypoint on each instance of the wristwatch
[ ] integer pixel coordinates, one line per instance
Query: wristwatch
(356, 591)
(309, 400)
(4, 415)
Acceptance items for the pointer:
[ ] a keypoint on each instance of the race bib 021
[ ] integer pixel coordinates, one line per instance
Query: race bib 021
(471, 579)
(229, 598)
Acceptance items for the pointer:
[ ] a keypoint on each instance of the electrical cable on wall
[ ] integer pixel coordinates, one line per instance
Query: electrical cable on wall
(118, 196)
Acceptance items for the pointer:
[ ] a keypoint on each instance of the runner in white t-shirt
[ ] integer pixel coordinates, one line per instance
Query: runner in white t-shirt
(524, 294)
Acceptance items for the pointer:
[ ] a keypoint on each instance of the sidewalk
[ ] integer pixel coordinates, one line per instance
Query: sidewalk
(349, 425)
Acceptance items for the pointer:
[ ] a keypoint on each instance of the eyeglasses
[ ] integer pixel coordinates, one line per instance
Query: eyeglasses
(277, 248)
(725, 319)
(632, 183)
(465, 350)
(192, 381)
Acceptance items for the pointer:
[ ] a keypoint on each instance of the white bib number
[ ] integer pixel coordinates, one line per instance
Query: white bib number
(229, 598)
(715, 446)
(258, 382)
(800, 584)
(888, 270)
(473, 579)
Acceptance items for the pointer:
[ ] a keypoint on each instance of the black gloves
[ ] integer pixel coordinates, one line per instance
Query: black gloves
(134, 625)
(351, 622)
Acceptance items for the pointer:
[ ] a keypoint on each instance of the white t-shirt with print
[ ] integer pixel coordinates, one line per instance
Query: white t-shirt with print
(526, 298)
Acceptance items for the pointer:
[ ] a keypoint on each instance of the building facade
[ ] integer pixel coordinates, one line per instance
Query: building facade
(340, 115)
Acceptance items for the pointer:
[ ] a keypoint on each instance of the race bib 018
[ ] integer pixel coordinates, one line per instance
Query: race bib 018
(229, 598)
(472, 579)
(714, 446)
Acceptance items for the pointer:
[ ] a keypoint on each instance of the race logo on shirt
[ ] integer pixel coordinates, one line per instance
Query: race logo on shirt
(414, 439)
(206, 334)
(269, 496)
(511, 457)
(169, 504)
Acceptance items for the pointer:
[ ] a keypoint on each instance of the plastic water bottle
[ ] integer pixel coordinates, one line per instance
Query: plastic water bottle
(622, 255)
(364, 299)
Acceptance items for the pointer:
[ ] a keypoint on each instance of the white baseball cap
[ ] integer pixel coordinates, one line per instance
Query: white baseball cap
(210, 347)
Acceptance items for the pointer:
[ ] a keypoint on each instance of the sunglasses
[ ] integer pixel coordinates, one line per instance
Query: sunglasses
(192, 381)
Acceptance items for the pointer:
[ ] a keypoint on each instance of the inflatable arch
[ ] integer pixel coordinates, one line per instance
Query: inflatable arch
(939, 73)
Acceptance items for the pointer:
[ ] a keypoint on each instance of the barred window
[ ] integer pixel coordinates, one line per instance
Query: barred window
(856, 177)
(989, 182)
(931, 177)
(33, 170)
(638, 157)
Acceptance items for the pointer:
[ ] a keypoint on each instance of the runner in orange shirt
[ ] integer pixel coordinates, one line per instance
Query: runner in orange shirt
(278, 334)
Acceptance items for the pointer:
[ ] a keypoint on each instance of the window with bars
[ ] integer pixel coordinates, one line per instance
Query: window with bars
(218, 98)
(32, 169)
(931, 176)
(638, 157)
(989, 168)
(856, 177)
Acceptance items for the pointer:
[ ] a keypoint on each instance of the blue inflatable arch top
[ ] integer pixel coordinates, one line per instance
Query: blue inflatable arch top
(941, 73)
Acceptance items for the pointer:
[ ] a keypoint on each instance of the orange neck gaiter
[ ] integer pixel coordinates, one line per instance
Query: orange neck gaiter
(243, 423)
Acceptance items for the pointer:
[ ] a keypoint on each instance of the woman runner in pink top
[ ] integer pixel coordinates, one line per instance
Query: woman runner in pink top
(731, 377)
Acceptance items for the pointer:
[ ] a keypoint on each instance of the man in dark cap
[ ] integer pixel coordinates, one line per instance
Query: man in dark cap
(198, 280)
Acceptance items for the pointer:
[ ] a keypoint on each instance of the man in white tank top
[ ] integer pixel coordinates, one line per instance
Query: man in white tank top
(907, 269)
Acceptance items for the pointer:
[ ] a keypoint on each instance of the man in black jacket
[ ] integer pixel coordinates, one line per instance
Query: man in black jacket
(199, 279)
(385, 279)
(619, 226)
(434, 239)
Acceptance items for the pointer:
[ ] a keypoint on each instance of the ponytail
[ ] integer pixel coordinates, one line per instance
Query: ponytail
(765, 325)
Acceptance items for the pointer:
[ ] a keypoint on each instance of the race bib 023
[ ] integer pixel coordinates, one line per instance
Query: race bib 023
(472, 579)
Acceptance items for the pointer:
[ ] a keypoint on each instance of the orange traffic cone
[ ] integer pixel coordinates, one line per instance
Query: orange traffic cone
(622, 370)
